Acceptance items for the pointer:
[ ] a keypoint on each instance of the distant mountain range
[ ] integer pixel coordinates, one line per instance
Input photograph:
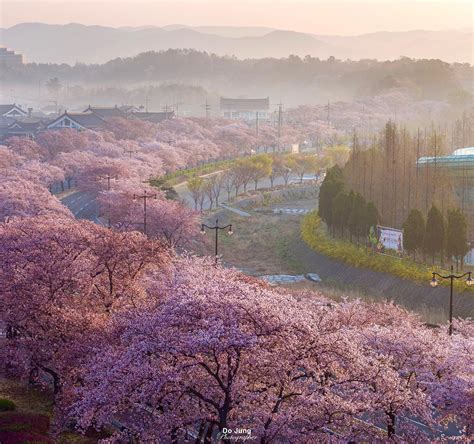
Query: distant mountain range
(73, 43)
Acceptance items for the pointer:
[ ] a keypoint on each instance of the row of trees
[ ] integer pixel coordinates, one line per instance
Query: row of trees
(342, 210)
(385, 169)
(174, 346)
(446, 237)
(171, 345)
(251, 169)
(435, 236)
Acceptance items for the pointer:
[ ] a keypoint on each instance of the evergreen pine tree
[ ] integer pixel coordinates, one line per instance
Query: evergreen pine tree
(331, 186)
(434, 237)
(413, 232)
(456, 236)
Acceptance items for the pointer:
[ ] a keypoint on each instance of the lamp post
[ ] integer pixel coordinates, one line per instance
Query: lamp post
(107, 177)
(145, 196)
(434, 283)
(129, 152)
(216, 228)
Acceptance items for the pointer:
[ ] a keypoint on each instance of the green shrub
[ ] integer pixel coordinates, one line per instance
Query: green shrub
(314, 234)
(6, 405)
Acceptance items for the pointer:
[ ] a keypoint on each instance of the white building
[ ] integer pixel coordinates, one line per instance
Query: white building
(245, 109)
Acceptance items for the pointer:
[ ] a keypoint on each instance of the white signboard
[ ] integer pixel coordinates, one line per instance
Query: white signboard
(390, 238)
(469, 258)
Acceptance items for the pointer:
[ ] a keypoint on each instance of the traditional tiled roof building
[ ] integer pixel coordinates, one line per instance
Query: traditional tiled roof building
(78, 121)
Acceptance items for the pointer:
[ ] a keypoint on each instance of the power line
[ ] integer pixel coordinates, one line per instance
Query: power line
(207, 107)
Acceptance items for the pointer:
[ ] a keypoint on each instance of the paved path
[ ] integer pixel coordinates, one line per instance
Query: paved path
(82, 205)
(291, 211)
(235, 210)
(383, 286)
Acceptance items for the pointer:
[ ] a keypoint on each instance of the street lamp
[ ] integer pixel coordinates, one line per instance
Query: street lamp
(434, 283)
(107, 177)
(129, 152)
(216, 228)
(145, 196)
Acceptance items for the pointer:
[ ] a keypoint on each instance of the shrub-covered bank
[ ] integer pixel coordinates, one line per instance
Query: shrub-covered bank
(314, 234)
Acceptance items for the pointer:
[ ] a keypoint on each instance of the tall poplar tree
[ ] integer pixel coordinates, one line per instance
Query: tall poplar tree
(456, 236)
(434, 238)
(414, 232)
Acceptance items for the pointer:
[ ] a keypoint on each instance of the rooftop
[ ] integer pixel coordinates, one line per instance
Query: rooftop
(87, 120)
(7, 107)
(244, 104)
(461, 157)
(113, 111)
(153, 117)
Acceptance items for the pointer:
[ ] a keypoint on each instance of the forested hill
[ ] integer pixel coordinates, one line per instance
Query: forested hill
(74, 42)
(427, 79)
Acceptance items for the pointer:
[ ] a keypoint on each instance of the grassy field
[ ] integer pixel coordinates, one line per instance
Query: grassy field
(260, 245)
(30, 422)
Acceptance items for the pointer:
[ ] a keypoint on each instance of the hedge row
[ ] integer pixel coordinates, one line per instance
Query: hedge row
(314, 234)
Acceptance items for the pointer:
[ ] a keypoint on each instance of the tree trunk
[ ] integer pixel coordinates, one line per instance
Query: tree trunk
(56, 379)
(208, 437)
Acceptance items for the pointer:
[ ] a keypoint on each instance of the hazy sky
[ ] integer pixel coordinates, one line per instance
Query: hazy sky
(316, 16)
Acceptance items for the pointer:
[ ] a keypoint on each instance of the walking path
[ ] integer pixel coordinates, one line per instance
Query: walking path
(235, 210)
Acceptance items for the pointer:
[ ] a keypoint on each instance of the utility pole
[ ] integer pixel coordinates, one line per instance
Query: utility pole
(256, 123)
(145, 196)
(55, 104)
(108, 177)
(417, 165)
(280, 115)
(177, 105)
(354, 149)
(328, 106)
(129, 152)
(207, 107)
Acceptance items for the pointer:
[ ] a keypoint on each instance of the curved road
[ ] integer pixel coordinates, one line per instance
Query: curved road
(431, 303)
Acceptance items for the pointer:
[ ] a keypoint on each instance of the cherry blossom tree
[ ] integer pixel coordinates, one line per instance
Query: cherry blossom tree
(62, 141)
(41, 172)
(167, 220)
(22, 198)
(26, 148)
(222, 351)
(130, 129)
(9, 158)
(73, 276)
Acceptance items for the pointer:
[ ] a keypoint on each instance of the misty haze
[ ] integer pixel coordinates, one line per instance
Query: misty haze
(227, 221)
